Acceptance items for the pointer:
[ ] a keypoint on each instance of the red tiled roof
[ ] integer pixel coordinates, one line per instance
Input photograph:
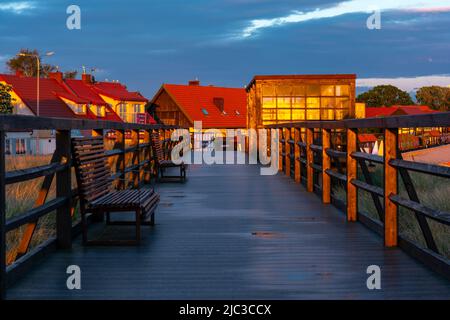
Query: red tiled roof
(117, 91)
(192, 99)
(50, 92)
(412, 110)
(372, 112)
(366, 137)
(87, 92)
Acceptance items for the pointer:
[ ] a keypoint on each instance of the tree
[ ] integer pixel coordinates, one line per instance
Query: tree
(27, 65)
(385, 95)
(437, 98)
(5, 99)
(70, 74)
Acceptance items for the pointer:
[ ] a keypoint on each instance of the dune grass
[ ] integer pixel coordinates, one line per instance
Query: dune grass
(432, 192)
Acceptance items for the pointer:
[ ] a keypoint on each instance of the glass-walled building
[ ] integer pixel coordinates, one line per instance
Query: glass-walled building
(277, 99)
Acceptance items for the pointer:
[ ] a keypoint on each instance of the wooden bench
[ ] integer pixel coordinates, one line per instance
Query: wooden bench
(98, 197)
(162, 163)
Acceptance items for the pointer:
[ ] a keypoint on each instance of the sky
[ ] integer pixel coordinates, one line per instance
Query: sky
(225, 43)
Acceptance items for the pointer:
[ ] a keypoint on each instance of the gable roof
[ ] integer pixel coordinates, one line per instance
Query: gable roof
(197, 103)
(50, 93)
(372, 112)
(87, 92)
(117, 91)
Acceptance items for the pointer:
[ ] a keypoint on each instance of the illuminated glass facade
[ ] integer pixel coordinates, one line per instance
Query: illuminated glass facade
(276, 99)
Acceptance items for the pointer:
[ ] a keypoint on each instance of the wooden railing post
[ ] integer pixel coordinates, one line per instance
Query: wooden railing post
(280, 149)
(297, 163)
(147, 156)
(390, 188)
(121, 159)
(352, 173)
(2, 217)
(97, 217)
(64, 189)
(326, 164)
(309, 160)
(135, 158)
(287, 149)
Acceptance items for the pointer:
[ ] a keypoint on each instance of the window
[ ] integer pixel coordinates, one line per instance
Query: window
(100, 111)
(123, 110)
(284, 102)
(205, 112)
(7, 146)
(137, 108)
(298, 103)
(298, 115)
(313, 90)
(327, 91)
(284, 114)
(342, 90)
(269, 102)
(20, 146)
(269, 114)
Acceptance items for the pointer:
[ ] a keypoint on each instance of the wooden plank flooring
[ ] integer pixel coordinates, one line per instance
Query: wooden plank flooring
(229, 233)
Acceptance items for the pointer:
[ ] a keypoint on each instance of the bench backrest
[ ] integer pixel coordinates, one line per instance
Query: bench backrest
(91, 168)
(158, 151)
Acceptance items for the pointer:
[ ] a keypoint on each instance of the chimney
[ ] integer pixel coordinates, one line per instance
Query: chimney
(86, 78)
(194, 82)
(219, 103)
(58, 76)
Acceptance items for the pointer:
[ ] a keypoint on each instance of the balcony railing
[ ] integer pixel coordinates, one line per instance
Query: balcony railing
(135, 117)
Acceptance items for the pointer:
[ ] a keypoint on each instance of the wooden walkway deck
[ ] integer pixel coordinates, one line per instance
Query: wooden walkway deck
(229, 233)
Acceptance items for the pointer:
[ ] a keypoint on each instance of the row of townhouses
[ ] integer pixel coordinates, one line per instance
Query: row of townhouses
(68, 98)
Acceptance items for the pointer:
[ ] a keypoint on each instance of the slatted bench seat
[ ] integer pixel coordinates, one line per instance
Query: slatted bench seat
(162, 163)
(98, 197)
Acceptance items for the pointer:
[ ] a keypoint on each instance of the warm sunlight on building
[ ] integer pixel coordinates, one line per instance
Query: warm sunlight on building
(276, 99)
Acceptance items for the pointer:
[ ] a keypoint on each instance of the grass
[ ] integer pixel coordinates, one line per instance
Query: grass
(21, 197)
(432, 192)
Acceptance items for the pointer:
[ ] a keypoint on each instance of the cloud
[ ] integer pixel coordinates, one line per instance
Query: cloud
(346, 7)
(407, 83)
(17, 7)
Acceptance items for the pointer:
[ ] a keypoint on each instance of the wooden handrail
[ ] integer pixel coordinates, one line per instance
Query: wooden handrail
(134, 160)
(391, 161)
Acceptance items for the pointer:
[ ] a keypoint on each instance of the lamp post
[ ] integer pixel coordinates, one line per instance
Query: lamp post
(38, 60)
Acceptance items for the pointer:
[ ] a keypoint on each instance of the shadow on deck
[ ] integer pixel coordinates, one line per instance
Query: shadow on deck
(229, 233)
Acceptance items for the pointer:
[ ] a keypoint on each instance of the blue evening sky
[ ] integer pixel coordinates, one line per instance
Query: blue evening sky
(146, 43)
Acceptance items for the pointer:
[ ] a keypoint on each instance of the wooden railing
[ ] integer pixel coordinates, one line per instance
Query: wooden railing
(321, 154)
(133, 157)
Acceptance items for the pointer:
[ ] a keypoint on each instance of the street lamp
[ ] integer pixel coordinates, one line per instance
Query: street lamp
(47, 54)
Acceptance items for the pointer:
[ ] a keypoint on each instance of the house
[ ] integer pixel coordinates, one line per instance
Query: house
(275, 99)
(411, 138)
(54, 101)
(130, 106)
(85, 90)
(397, 110)
(215, 107)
